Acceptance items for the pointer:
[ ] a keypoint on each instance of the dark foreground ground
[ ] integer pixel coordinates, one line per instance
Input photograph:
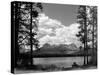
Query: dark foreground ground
(51, 68)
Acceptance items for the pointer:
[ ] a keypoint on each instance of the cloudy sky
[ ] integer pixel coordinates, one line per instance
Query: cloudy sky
(64, 13)
(57, 25)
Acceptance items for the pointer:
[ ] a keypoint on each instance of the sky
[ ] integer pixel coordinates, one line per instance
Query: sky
(64, 13)
(57, 25)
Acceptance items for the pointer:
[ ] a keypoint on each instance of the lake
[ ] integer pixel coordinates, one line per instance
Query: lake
(60, 61)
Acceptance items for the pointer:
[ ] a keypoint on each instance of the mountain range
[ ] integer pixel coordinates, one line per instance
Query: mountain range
(58, 49)
(61, 46)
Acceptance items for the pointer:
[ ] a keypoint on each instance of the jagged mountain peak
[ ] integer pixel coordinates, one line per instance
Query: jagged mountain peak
(61, 46)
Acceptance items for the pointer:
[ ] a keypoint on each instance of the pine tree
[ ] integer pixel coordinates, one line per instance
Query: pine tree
(93, 23)
(27, 27)
(82, 34)
(87, 18)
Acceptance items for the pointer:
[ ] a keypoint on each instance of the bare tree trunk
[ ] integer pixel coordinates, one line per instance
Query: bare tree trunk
(84, 54)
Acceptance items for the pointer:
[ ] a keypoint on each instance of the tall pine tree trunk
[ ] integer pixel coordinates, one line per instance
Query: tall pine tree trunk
(16, 33)
(31, 43)
(86, 35)
(93, 37)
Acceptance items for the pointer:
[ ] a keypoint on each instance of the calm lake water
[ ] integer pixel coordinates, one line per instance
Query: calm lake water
(60, 61)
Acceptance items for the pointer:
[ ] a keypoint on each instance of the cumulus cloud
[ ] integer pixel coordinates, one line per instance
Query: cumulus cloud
(54, 32)
(46, 22)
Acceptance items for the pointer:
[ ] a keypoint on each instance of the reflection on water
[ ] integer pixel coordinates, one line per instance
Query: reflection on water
(60, 61)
